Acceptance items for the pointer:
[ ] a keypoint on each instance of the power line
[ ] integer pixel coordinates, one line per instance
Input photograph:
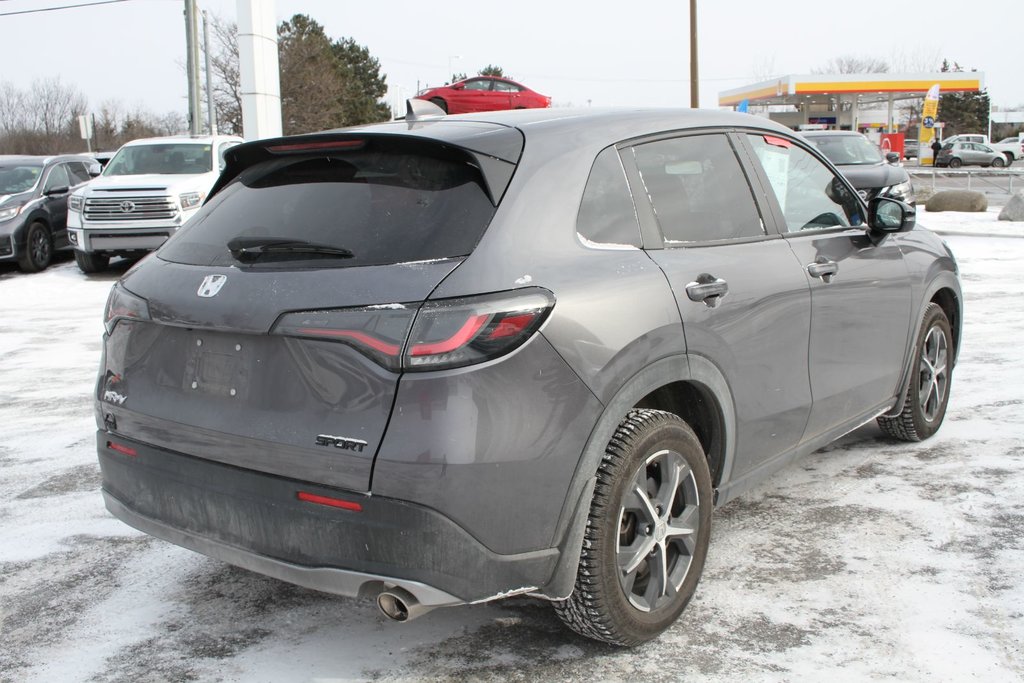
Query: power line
(54, 9)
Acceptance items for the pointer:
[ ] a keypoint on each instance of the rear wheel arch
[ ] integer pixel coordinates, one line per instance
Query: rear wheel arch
(691, 385)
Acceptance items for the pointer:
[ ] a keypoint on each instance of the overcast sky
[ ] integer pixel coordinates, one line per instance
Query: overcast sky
(596, 52)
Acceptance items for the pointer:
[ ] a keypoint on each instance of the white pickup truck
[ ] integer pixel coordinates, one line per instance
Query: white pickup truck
(150, 188)
(1011, 148)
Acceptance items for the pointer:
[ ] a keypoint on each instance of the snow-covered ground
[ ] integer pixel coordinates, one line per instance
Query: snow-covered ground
(868, 560)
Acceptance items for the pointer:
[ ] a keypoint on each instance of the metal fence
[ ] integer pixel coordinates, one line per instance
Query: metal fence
(1002, 180)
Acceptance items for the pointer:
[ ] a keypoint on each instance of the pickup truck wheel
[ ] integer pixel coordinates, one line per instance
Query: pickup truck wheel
(38, 250)
(91, 263)
(998, 162)
(930, 373)
(647, 533)
(1009, 158)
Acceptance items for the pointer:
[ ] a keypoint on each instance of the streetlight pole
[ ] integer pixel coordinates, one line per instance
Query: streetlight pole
(694, 88)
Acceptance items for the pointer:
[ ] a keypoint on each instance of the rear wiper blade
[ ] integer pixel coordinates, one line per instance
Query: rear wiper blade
(251, 248)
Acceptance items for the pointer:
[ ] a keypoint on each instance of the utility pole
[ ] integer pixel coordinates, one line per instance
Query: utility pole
(694, 89)
(192, 69)
(211, 110)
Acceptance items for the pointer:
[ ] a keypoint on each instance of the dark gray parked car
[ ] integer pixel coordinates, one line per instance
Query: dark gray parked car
(34, 194)
(862, 163)
(446, 361)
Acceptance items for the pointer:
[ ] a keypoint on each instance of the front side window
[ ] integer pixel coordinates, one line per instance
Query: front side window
(810, 195)
(478, 85)
(698, 189)
(607, 214)
(58, 178)
(79, 172)
(171, 158)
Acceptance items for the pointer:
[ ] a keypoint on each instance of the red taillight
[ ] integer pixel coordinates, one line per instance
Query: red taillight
(328, 501)
(435, 335)
(460, 338)
(123, 450)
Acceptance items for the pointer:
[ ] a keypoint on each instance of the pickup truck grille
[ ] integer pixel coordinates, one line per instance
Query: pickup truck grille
(130, 209)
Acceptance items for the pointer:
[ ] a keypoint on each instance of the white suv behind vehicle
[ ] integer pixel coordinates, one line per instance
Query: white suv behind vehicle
(148, 190)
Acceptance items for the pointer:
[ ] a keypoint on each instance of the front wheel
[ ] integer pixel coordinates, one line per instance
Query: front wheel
(647, 534)
(998, 162)
(440, 103)
(38, 250)
(91, 263)
(930, 374)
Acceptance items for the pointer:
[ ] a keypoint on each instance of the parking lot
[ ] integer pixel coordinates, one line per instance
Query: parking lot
(870, 559)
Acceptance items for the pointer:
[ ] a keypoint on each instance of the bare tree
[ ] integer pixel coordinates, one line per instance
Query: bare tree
(852, 64)
(227, 88)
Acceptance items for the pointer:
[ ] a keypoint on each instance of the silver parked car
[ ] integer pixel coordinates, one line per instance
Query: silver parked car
(456, 358)
(957, 154)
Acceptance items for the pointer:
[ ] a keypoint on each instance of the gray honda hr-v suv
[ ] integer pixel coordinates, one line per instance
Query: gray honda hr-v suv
(451, 359)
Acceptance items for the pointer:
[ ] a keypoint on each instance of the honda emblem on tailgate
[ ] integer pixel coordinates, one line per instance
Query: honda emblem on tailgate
(211, 285)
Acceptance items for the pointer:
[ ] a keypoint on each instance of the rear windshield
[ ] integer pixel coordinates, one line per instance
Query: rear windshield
(172, 158)
(381, 203)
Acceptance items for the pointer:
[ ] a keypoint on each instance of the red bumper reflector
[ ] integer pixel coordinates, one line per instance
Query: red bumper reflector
(124, 450)
(332, 502)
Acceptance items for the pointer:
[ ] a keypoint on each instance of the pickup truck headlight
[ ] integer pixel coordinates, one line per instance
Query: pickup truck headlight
(75, 202)
(903, 191)
(9, 213)
(190, 200)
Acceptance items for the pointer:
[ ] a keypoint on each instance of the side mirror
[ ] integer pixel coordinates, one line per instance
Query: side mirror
(892, 157)
(95, 169)
(458, 86)
(63, 189)
(890, 215)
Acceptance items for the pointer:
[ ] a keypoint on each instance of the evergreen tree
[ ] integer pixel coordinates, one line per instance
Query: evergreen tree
(493, 70)
(365, 86)
(963, 112)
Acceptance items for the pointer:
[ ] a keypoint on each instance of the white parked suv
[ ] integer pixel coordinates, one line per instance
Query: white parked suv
(148, 190)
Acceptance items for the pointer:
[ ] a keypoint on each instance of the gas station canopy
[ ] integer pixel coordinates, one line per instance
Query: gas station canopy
(864, 89)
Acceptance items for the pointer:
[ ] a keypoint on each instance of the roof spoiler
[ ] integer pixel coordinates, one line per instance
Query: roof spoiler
(422, 110)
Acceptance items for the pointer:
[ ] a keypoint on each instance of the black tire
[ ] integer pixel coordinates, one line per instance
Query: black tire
(38, 251)
(441, 103)
(998, 162)
(602, 606)
(91, 263)
(1009, 158)
(955, 163)
(930, 378)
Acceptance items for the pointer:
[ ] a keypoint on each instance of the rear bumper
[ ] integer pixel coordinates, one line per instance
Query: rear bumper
(255, 521)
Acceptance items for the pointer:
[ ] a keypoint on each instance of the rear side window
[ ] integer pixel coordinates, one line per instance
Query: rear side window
(607, 214)
(698, 189)
(384, 202)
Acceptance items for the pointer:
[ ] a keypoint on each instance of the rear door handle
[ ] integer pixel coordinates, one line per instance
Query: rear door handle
(707, 288)
(823, 268)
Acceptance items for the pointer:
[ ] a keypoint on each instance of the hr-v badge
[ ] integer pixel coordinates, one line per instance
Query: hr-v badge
(211, 285)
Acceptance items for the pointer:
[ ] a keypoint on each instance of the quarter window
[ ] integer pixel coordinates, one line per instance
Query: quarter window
(698, 189)
(607, 214)
(810, 195)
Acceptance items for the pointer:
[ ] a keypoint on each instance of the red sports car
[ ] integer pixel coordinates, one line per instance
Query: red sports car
(484, 93)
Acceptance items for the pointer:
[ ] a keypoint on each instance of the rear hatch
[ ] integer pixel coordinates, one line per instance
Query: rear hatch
(270, 332)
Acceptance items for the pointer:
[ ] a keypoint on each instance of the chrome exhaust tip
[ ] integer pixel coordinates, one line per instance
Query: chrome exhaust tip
(400, 605)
